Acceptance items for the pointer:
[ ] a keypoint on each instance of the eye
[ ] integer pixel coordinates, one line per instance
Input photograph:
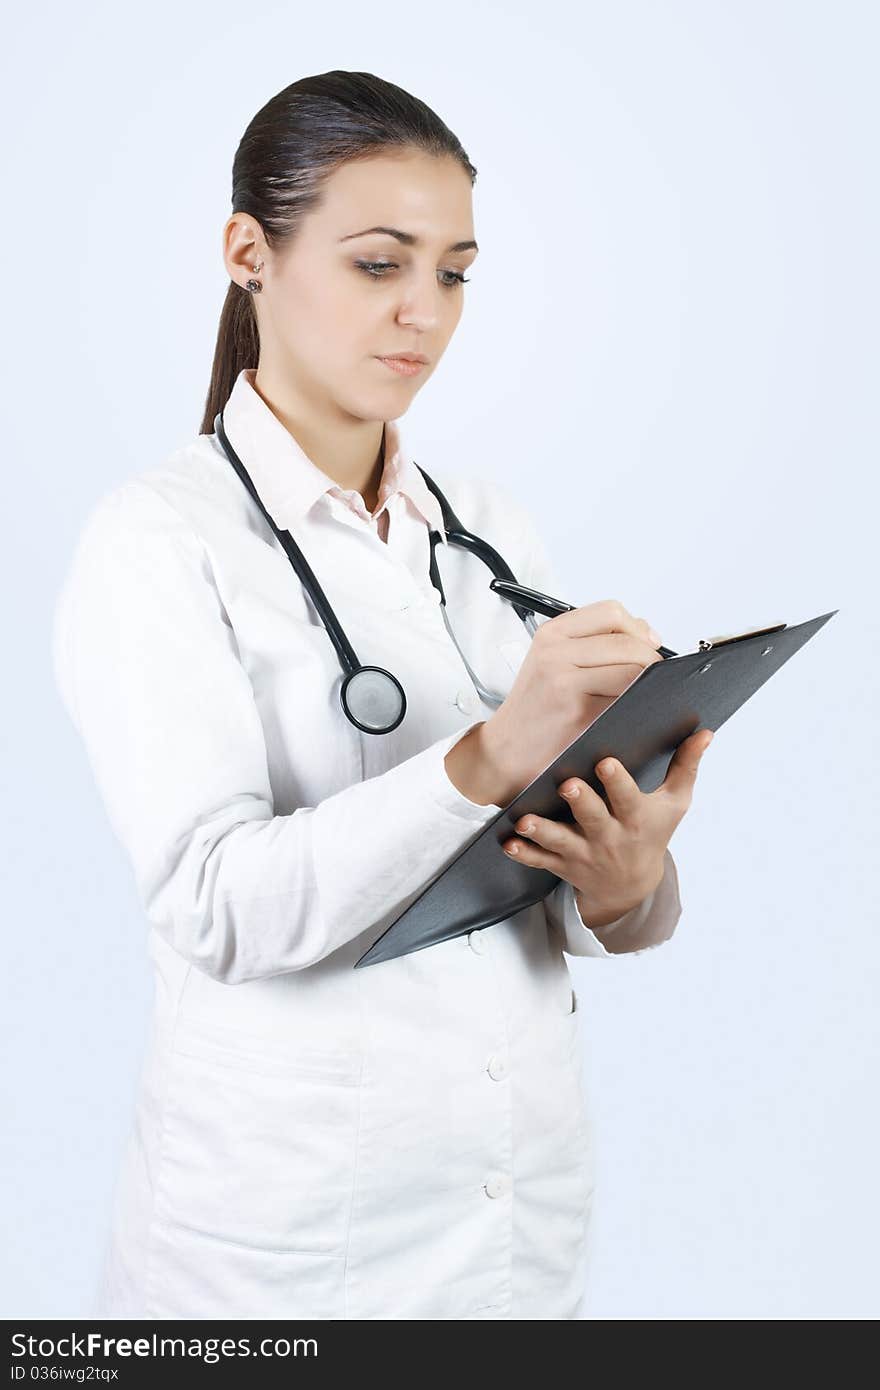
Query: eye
(457, 277)
(377, 269)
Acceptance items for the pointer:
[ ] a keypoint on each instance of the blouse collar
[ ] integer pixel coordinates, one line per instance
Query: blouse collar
(288, 482)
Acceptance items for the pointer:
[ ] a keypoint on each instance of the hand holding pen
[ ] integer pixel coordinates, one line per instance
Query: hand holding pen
(574, 668)
(535, 602)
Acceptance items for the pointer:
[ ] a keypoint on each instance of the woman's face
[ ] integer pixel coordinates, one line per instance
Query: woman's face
(325, 319)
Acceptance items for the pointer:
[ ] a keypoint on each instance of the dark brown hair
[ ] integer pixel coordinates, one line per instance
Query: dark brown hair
(290, 147)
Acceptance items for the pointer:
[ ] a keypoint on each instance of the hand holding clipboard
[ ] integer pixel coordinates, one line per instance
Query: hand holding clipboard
(635, 860)
(670, 700)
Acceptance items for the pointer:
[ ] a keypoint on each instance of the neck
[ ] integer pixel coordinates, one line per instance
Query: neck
(348, 450)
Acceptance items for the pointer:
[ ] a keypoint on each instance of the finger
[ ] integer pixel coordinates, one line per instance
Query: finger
(613, 649)
(588, 807)
(553, 835)
(623, 791)
(651, 633)
(533, 855)
(682, 771)
(608, 615)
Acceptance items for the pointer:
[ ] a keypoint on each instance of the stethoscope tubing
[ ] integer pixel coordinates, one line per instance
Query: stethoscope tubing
(456, 533)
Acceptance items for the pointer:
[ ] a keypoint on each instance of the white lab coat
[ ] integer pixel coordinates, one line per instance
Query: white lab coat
(407, 1140)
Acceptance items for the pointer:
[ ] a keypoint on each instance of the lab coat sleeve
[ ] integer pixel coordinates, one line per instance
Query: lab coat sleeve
(653, 920)
(146, 663)
(649, 923)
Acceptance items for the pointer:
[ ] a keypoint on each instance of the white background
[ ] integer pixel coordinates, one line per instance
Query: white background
(670, 348)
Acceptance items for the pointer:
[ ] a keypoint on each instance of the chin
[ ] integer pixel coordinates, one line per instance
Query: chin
(386, 404)
(372, 408)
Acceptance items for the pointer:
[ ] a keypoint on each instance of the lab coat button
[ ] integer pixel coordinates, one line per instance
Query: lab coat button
(476, 942)
(497, 1185)
(466, 701)
(497, 1067)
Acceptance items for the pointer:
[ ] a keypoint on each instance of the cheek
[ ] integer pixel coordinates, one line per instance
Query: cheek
(451, 318)
(317, 312)
(349, 328)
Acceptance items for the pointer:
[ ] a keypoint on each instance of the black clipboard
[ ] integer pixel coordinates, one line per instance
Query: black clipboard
(666, 703)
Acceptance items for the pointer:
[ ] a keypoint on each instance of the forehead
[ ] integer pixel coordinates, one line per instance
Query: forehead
(428, 196)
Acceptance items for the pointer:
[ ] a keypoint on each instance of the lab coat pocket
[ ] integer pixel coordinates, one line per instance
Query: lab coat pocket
(193, 1275)
(259, 1141)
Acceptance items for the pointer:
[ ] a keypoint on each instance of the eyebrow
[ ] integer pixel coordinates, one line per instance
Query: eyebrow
(408, 239)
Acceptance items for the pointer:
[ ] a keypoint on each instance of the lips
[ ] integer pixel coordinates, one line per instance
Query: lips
(404, 366)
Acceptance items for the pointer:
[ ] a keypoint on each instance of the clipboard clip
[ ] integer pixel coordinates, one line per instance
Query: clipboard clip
(706, 644)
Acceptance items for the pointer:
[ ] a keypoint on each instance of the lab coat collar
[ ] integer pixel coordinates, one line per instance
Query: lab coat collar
(288, 482)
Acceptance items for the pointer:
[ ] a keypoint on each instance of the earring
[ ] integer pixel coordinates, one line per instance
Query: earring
(254, 285)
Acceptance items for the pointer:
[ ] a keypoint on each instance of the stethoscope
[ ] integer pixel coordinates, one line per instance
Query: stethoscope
(372, 698)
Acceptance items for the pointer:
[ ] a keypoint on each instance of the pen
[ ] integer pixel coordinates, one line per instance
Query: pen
(543, 603)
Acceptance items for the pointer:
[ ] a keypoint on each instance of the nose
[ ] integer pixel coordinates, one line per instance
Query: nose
(422, 303)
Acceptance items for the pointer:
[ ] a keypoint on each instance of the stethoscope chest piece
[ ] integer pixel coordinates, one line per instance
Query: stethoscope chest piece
(373, 699)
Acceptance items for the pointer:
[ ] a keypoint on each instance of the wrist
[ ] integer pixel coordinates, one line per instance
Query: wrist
(474, 767)
(498, 761)
(592, 916)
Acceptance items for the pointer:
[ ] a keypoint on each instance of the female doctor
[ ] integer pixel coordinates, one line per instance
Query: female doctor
(411, 1139)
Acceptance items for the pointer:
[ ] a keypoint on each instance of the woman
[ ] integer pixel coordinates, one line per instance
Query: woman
(408, 1140)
